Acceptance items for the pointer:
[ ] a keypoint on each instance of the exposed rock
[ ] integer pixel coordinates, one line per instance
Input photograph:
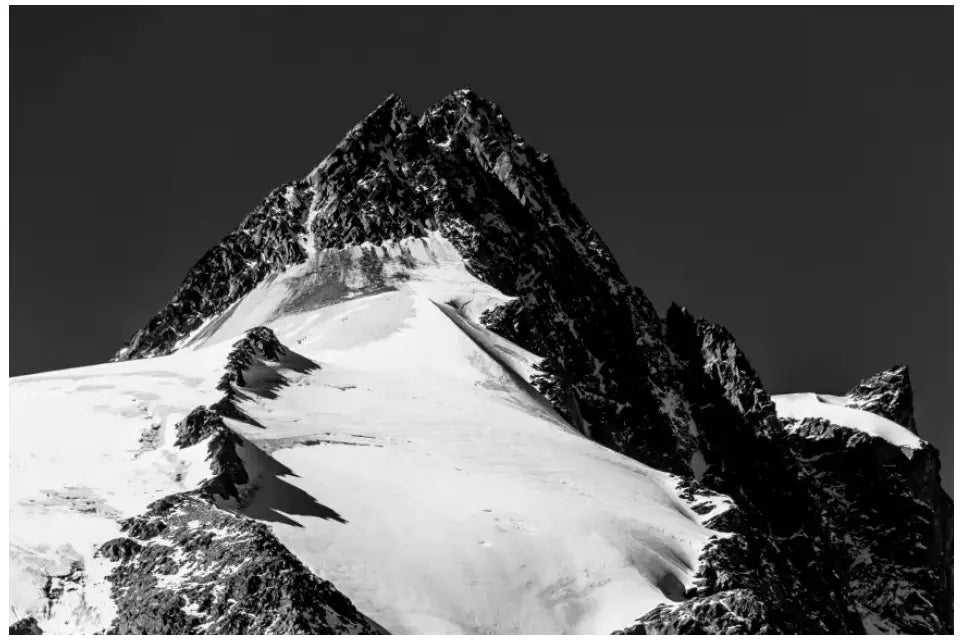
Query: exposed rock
(202, 570)
(888, 394)
(267, 240)
(835, 530)
(26, 627)
(225, 463)
(895, 521)
(737, 611)
(253, 368)
(606, 367)
(119, 549)
(198, 425)
(259, 343)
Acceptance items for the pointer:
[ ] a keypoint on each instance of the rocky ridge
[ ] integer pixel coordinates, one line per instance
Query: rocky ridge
(836, 531)
(189, 567)
(268, 239)
(193, 564)
(762, 578)
(888, 394)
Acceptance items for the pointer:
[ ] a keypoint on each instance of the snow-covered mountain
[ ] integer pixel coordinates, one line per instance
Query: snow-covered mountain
(414, 393)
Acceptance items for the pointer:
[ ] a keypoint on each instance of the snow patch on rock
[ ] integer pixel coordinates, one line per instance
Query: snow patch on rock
(835, 409)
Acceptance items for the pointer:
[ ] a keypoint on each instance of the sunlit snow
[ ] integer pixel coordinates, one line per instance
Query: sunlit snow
(828, 407)
(415, 468)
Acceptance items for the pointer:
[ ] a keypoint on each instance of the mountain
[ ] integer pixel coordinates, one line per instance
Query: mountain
(413, 392)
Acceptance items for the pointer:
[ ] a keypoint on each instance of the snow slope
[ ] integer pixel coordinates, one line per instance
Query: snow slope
(88, 447)
(832, 408)
(418, 470)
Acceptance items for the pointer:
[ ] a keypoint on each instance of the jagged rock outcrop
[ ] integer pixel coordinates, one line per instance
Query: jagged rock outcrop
(26, 627)
(835, 529)
(252, 369)
(259, 343)
(888, 394)
(225, 464)
(888, 507)
(232, 576)
(761, 576)
(118, 549)
(198, 425)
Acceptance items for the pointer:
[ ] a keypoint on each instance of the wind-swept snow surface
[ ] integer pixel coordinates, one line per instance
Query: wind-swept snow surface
(414, 468)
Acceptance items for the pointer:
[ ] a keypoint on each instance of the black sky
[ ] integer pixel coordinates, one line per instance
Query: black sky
(786, 172)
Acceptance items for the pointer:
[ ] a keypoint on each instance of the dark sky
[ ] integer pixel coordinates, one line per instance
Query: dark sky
(786, 172)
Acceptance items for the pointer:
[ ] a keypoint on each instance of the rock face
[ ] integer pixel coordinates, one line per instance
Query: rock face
(191, 568)
(225, 464)
(893, 522)
(260, 343)
(888, 394)
(832, 529)
(761, 578)
(26, 627)
(836, 531)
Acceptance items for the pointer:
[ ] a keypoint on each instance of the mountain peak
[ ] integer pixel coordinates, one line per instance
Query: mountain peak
(465, 96)
(392, 109)
(459, 172)
(390, 115)
(887, 393)
(428, 335)
(466, 113)
(392, 105)
(389, 119)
